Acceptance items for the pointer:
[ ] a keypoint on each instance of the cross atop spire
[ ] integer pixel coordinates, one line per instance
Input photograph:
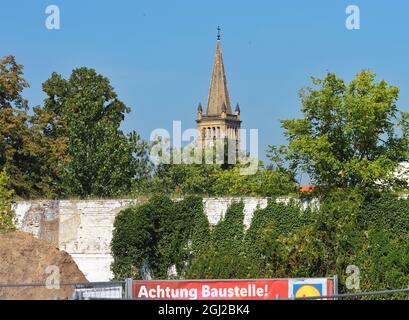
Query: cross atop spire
(218, 33)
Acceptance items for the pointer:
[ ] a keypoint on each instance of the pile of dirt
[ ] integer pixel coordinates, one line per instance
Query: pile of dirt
(25, 259)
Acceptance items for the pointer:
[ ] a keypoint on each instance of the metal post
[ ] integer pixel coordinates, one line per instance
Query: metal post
(335, 284)
(128, 289)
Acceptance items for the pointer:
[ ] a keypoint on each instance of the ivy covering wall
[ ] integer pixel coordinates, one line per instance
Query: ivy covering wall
(283, 240)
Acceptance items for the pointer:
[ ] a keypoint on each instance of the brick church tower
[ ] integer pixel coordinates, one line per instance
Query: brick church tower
(218, 123)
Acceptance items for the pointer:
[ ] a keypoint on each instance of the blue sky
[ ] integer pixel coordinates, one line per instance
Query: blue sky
(158, 54)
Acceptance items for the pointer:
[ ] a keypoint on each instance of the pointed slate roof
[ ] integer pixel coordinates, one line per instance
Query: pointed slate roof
(218, 93)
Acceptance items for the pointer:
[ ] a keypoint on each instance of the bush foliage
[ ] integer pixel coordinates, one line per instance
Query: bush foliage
(6, 212)
(158, 235)
(283, 240)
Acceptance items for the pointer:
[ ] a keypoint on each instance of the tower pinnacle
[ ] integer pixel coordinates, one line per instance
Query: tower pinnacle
(218, 93)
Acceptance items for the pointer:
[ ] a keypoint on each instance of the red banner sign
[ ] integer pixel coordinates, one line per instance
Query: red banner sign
(232, 289)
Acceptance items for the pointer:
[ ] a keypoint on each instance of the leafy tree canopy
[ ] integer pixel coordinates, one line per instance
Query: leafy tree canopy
(84, 113)
(349, 134)
(23, 151)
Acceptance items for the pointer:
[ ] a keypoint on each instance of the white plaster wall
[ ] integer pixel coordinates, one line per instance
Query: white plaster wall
(20, 210)
(85, 226)
(95, 267)
(215, 208)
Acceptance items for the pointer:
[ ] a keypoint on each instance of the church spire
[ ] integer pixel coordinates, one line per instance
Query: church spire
(218, 93)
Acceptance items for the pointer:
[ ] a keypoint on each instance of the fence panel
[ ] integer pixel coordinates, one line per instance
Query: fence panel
(123, 290)
(102, 290)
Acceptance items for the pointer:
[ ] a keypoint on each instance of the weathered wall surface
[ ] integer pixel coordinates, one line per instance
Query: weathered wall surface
(83, 228)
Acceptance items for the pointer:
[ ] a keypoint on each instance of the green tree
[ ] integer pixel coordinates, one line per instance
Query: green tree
(213, 180)
(84, 114)
(23, 151)
(266, 182)
(6, 212)
(189, 178)
(349, 135)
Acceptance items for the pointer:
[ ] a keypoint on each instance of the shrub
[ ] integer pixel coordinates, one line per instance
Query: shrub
(7, 216)
(154, 236)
